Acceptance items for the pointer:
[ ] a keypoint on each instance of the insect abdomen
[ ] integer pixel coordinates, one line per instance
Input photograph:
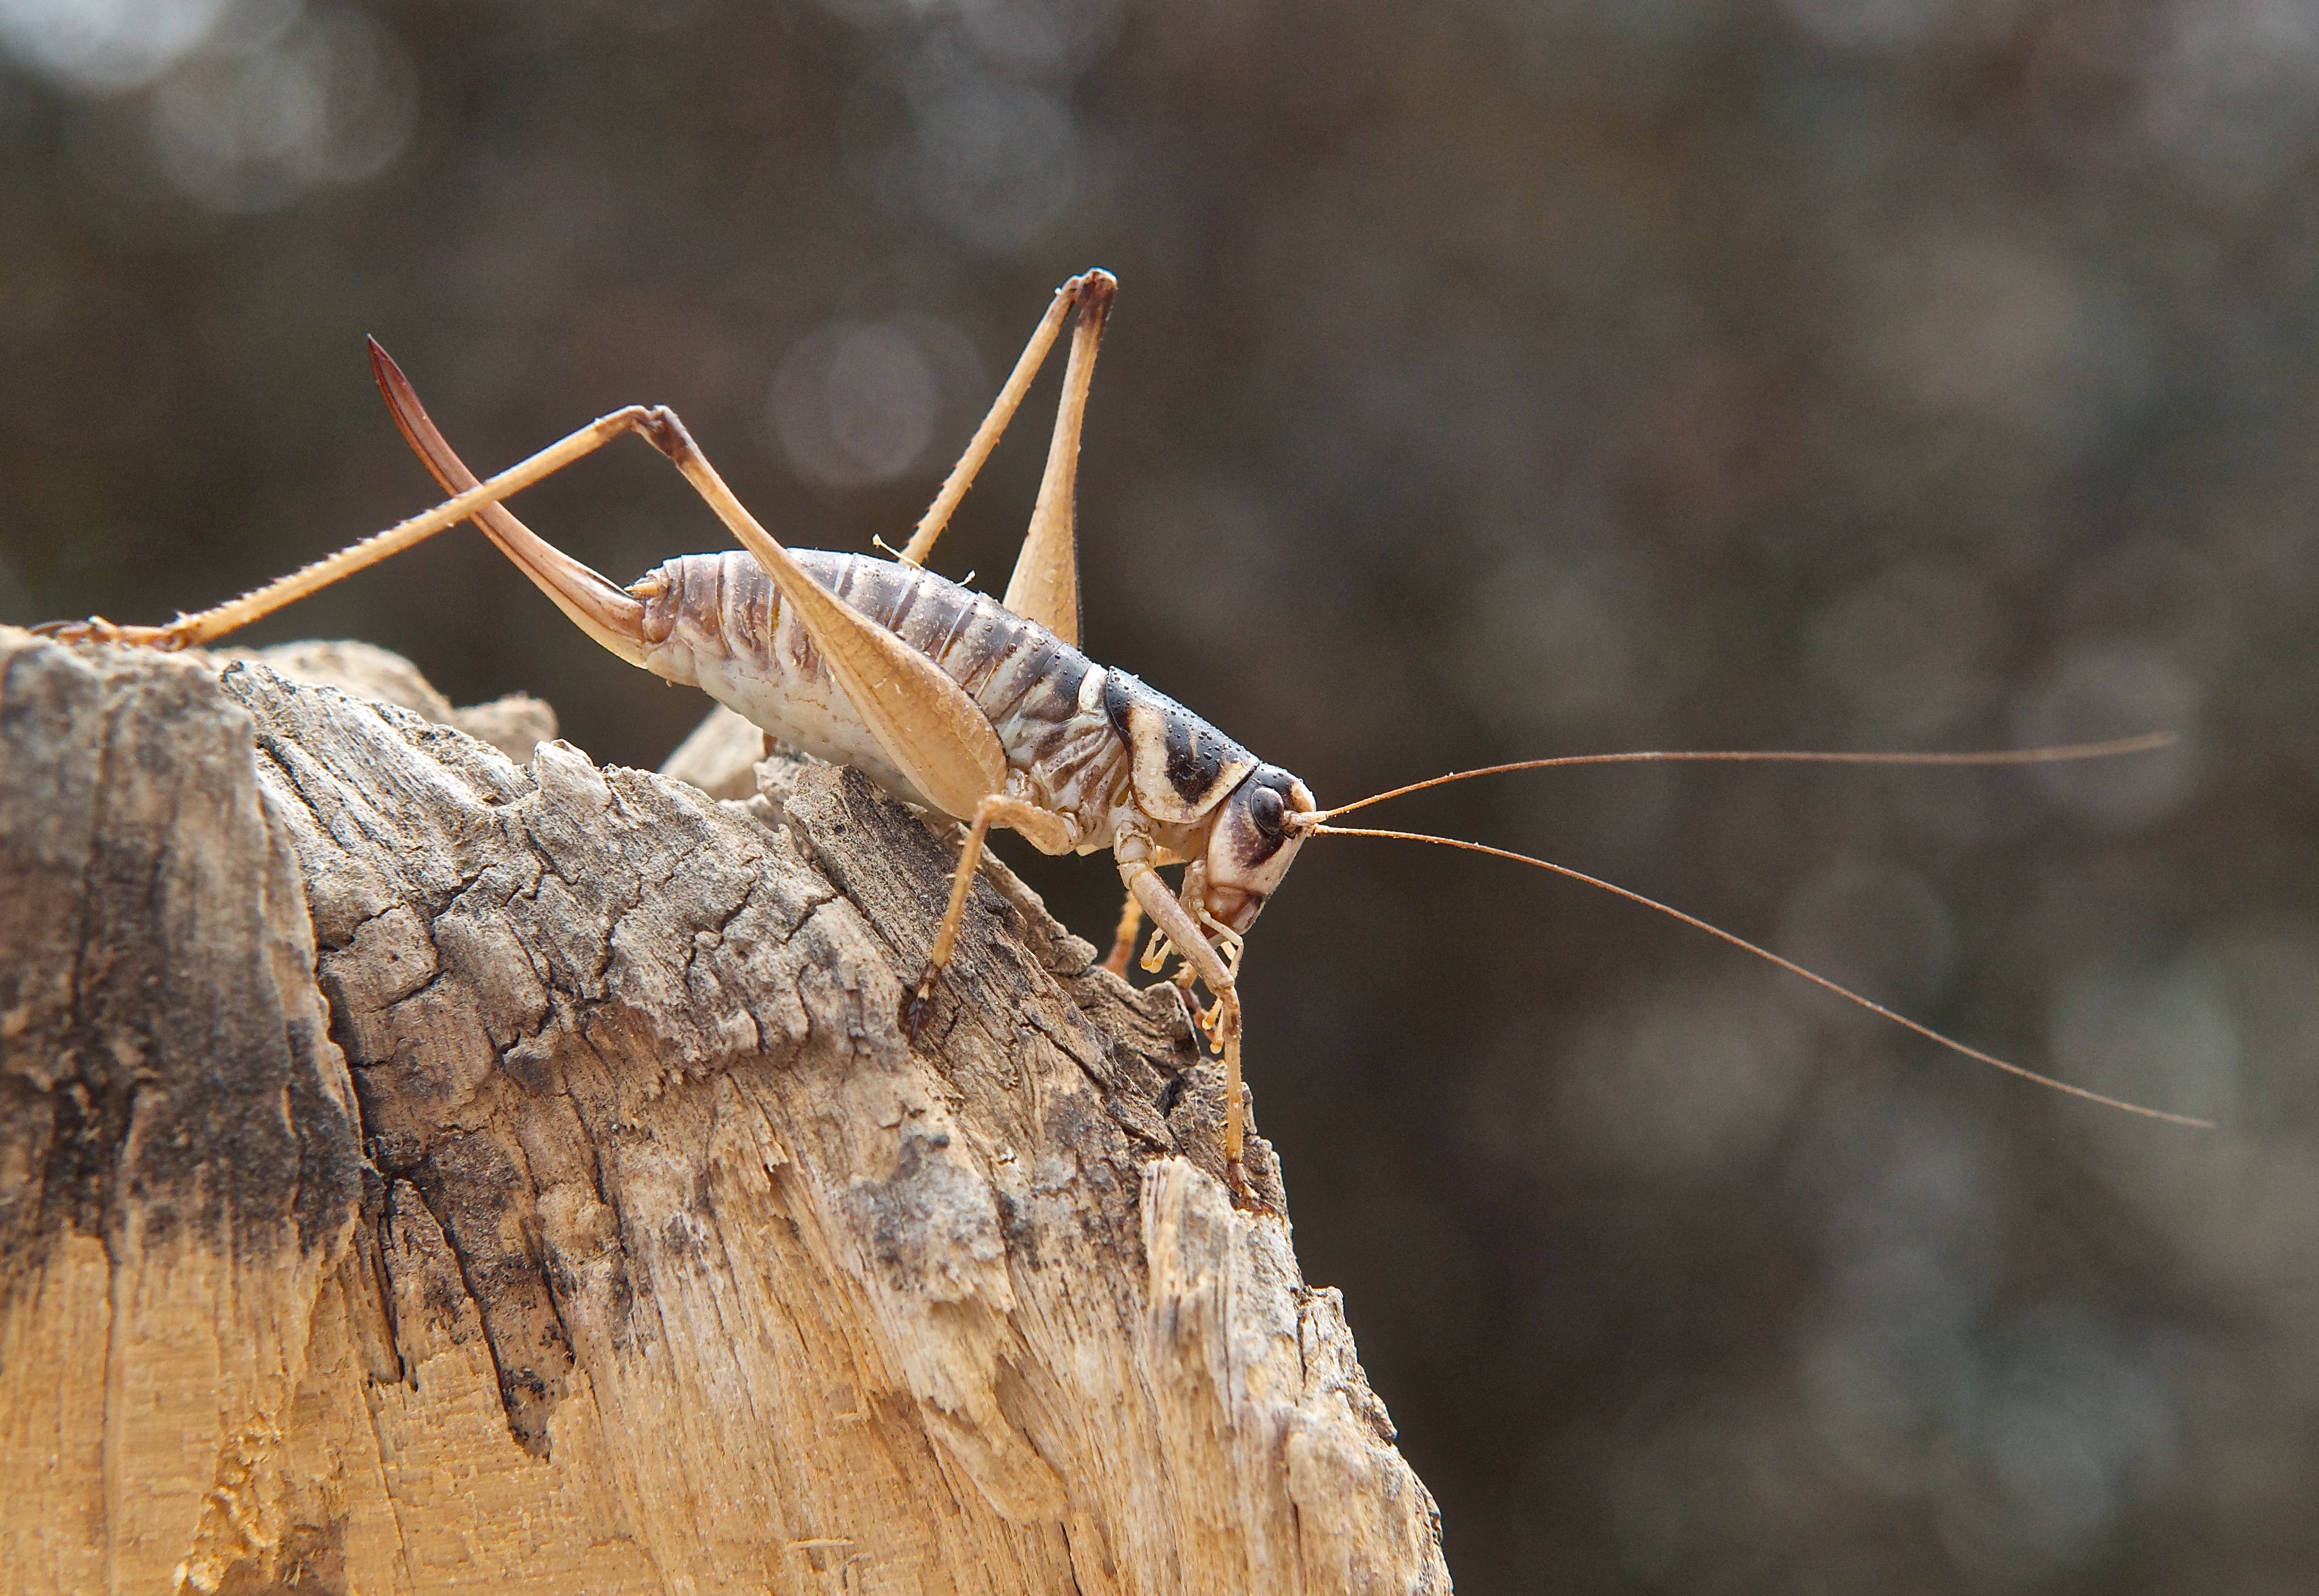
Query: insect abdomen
(717, 622)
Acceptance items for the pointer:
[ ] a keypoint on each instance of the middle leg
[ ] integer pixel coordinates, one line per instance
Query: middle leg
(1122, 939)
(1049, 833)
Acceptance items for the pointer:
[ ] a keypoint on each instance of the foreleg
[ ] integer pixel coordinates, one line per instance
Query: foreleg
(1176, 922)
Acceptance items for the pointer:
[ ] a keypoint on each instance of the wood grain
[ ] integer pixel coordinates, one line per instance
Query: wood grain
(421, 1171)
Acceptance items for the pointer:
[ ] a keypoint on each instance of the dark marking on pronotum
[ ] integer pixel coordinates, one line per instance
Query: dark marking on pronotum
(1193, 762)
(1119, 691)
(1193, 766)
(1183, 765)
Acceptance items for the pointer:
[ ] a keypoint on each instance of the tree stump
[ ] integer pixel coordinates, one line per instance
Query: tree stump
(421, 1169)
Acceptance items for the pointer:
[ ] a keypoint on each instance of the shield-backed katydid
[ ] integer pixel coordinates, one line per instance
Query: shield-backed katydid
(981, 711)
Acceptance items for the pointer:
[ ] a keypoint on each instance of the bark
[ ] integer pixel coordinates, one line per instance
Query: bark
(418, 1168)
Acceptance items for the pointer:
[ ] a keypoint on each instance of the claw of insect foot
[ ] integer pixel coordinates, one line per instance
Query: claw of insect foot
(1243, 1195)
(918, 1005)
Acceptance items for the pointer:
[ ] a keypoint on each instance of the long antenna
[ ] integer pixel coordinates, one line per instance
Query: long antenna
(2002, 756)
(1741, 942)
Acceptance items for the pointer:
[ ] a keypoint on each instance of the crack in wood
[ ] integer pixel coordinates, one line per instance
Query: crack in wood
(518, 1175)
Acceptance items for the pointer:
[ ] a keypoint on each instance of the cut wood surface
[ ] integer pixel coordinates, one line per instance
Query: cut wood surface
(422, 1169)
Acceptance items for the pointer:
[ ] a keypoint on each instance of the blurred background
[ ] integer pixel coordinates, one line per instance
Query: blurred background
(1489, 379)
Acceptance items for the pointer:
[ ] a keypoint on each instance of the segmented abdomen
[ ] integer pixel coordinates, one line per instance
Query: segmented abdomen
(717, 622)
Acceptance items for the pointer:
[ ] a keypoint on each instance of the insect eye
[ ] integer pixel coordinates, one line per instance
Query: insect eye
(1267, 809)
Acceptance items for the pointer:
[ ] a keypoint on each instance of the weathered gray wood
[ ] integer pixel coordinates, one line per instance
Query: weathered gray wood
(418, 1169)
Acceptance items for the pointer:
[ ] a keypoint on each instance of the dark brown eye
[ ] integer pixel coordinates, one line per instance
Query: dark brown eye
(1266, 807)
